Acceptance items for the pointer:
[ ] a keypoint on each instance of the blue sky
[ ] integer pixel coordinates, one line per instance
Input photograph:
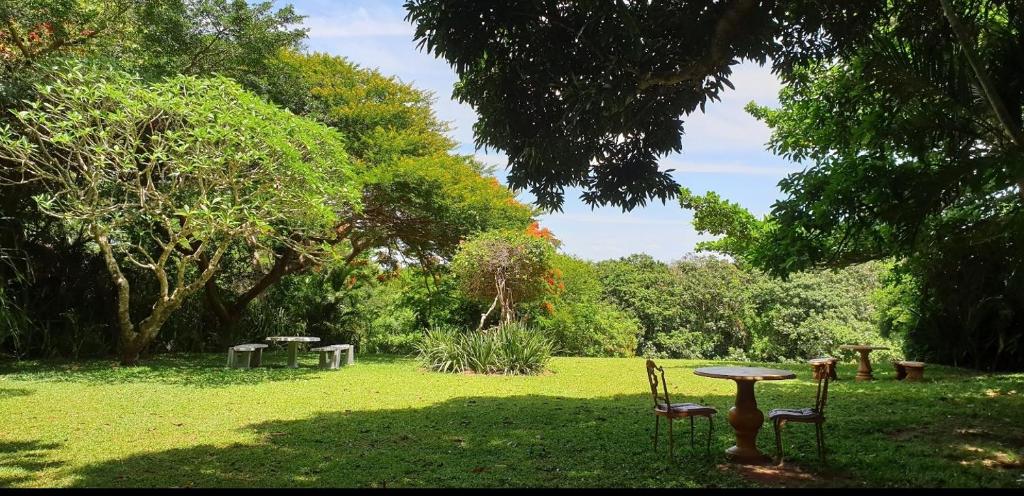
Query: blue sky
(723, 150)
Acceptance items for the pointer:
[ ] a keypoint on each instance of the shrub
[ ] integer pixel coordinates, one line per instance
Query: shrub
(684, 344)
(511, 348)
(441, 350)
(520, 349)
(591, 328)
(580, 320)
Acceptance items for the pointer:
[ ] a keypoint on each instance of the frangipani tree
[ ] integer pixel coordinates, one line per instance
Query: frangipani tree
(169, 177)
(503, 267)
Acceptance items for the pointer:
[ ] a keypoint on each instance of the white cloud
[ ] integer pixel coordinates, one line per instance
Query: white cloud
(360, 23)
(726, 168)
(616, 219)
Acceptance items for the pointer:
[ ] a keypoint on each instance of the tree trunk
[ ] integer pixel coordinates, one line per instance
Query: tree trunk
(483, 317)
(130, 351)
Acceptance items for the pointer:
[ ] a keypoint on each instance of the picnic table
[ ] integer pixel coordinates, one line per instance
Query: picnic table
(864, 370)
(744, 417)
(293, 345)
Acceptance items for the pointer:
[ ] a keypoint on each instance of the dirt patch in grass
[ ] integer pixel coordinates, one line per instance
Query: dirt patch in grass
(906, 434)
(786, 475)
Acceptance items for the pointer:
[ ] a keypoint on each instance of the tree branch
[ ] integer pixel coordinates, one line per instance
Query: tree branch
(728, 25)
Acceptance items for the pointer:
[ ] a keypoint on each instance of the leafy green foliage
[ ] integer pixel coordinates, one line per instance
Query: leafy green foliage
(167, 179)
(908, 159)
(591, 94)
(580, 320)
(813, 313)
(705, 307)
(503, 266)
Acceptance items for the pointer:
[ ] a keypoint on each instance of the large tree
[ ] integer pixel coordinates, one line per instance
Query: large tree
(169, 177)
(913, 150)
(418, 199)
(44, 264)
(909, 115)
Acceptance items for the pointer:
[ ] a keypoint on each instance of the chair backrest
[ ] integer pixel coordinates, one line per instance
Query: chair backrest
(652, 379)
(821, 397)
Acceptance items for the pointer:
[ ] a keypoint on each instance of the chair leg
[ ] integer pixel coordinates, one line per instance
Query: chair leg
(657, 423)
(778, 441)
(691, 433)
(711, 429)
(671, 440)
(820, 431)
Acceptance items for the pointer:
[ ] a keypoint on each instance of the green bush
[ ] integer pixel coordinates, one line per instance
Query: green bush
(591, 328)
(511, 348)
(580, 320)
(682, 344)
(441, 350)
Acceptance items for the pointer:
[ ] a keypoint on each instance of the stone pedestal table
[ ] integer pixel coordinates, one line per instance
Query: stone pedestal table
(293, 345)
(864, 370)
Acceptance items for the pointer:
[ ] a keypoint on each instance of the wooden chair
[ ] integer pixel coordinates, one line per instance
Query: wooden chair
(671, 411)
(814, 415)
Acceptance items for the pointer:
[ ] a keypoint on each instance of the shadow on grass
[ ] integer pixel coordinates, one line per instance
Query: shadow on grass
(467, 441)
(553, 441)
(20, 460)
(14, 392)
(197, 370)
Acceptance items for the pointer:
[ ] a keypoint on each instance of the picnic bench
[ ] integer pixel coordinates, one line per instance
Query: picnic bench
(909, 370)
(245, 356)
(330, 356)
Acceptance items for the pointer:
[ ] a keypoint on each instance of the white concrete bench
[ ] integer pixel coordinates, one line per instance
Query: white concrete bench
(330, 356)
(244, 356)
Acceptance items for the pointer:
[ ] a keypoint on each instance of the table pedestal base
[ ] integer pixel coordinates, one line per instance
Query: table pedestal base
(737, 455)
(864, 371)
(747, 420)
(293, 348)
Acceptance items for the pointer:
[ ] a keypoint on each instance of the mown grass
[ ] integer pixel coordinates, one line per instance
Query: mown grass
(187, 421)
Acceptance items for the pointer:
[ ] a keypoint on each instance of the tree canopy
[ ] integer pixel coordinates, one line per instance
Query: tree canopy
(168, 177)
(592, 94)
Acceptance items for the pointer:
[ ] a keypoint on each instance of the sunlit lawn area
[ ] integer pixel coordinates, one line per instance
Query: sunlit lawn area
(188, 421)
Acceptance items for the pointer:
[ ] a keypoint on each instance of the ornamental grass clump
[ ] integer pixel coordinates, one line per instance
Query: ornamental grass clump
(511, 348)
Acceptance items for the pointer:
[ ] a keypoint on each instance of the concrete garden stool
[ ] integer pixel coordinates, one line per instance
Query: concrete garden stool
(911, 371)
(244, 356)
(330, 356)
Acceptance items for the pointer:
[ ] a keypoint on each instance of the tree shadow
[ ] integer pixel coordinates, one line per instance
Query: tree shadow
(20, 460)
(14, 392)
(467, 441)
(196, 370)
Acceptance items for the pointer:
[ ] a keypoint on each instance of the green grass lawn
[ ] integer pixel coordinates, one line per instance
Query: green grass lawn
(188, 421)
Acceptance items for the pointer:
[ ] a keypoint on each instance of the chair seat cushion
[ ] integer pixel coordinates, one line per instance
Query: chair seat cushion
(798, 414)
(688, 408)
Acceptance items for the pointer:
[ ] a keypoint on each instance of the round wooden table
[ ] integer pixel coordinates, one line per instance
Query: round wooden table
(864, 370)
(293, 345)
(744, 417)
